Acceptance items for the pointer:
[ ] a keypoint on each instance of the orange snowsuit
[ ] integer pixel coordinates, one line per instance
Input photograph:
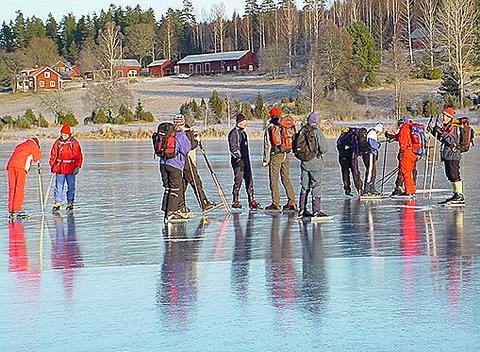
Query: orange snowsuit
(408, 160)
(18, 165)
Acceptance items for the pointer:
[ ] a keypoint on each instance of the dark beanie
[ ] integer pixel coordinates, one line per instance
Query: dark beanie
(240, 118)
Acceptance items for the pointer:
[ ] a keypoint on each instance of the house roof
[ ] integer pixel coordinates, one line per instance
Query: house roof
(126, 62)
(224, 56)
(158, 63)
(417, 34)
(42, 69)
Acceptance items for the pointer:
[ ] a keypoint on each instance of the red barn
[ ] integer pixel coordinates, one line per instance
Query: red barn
(67, 70)
(126, 68)
(161, 68)
(41, 78)
(225, 62)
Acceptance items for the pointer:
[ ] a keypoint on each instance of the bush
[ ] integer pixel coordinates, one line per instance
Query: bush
(370, 80)
(147, 116)
(436, 73)
(142, 115)
(300, 106)
(1, 126)
(119, 120)
(247, 111)
(99, 117)
(30, 117)
(22, 124)
(125, 113)
(430, 107)
(67, 118)
(42, 121)
(217, 106)
(8, 121)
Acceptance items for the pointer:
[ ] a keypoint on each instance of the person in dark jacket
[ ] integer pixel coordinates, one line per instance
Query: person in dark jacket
(348, 159)
(449, 137)
(240, 161)
(311, 171)
(172, 174)
(190, 172)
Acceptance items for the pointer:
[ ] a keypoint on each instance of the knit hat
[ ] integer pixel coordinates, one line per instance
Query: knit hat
(189, 121)
(240, 118)
(179, 120)
(37, 142)
(275, 112)
(66, 129)
(313, 118)
(449, 112)
(379, 127)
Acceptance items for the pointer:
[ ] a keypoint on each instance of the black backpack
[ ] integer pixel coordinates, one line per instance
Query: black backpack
(164, 142)
(304, 143)
(345, 140)
(362, 140)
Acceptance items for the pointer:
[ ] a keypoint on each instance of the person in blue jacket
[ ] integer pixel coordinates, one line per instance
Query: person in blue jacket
(172, 174)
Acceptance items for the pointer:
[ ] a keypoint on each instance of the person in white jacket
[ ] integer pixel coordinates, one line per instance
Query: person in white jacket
(370, 160)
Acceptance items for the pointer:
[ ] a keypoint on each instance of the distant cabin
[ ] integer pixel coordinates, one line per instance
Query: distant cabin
(40, 78)
(161, 68)
(67, 70)
(126, 68)
(224, 62)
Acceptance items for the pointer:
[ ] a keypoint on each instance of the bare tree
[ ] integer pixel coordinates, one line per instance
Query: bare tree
(88, 58)
(110, 46)
(289, 24)
(273, 60)
(108, 95)
(407, 16)
(219, 25)
(459, 21)
(54, 103)
(427, 22)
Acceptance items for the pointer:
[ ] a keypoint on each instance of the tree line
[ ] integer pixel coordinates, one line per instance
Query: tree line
(334, 47)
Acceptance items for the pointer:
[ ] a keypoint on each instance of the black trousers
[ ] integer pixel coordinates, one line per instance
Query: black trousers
(452, 170)
(174, 195)
(349, 164)
(191, 177)
(242, 171)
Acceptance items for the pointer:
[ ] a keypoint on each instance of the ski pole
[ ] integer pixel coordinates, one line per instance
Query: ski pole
(40, 188)
(214, 179)
(384, 165)
(434, 161)
(195, 186)
(427, 157)
(387, 177)
(48, 191)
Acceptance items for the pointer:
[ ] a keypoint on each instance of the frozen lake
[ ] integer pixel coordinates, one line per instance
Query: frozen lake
(383, 276)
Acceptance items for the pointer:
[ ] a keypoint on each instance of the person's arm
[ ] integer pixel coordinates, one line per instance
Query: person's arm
(234, 144)
(446, 138)
(404, 139)
(267, 147)
(321, 142)
(36, 153)
(192, 139)
(183, 144)
(78, 155)
(372, 140)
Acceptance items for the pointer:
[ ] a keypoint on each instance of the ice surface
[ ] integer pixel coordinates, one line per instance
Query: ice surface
(384, 275)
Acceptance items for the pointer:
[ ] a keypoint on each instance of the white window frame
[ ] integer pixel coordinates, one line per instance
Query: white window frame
(46, 74)
(190, 68)
(30, 84)
(250, 67)
(234, 68)
(41, 84)
(119, 73)
(207, 67)
(52, 84)
(132, 73)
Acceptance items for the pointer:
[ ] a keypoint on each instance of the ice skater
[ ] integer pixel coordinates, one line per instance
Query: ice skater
(348, 152)
(370, 158)
(22, 158)
(240, 161)
(66, 160)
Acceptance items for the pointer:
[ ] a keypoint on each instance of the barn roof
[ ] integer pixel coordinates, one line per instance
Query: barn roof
(126, 62)
(157, 63)
(224, 56)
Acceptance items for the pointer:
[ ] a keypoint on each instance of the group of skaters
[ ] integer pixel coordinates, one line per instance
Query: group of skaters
(176, 143)
(65, 161)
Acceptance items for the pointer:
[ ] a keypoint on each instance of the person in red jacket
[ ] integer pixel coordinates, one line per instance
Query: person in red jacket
(408, 159)
(66, 159)
(18, 165)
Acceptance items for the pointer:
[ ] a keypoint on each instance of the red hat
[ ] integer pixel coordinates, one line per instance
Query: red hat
(66, 129)
(449, 112)
(35, 139)
(275, 112)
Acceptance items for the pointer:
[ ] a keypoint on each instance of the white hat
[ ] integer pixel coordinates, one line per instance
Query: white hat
(379, 127)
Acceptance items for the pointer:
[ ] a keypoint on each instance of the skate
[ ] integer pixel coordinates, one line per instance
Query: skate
(272, 207)
(254, 205)
(56, 208)
(448, 200)
(236, 205)
(458, 200)
(321, 217)
(304, 214)
(175, 216)
(289, 207)
(69, 207)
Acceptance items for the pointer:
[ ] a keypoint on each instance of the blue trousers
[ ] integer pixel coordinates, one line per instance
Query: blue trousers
(60, 185)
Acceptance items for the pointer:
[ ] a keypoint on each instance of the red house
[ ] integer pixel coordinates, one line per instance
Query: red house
(66, 69)
(126, 68)
(161, 68)
(41, 78)
(224, 62)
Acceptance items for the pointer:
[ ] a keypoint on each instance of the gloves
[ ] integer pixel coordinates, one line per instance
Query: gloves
(76, 171)
(51, 169)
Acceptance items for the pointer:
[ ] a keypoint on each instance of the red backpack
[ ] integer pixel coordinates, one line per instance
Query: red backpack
(164, 141)
(281, 136)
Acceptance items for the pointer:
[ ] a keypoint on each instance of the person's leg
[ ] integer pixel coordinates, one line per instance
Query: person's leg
(248, 177)
(406, 168)
(59, 185)
(18, 194)
(345, 169)
(175, 187)
(304, 191)
(238, 171)
(357, 178)
(274, 176)
(286, 182)
(315, 181)
(166, 192)
(198, 185)
(71, 180)
(12, 186)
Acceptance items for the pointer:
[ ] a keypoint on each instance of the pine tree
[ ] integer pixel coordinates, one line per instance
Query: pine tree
(69, 49)
(19, 31)
(450, 88)
(7, 41)
(364, 53)
(258, 110)
(217, 106)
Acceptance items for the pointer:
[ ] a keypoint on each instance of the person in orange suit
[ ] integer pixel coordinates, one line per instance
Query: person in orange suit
(22, 158)
(66, 159)
(408, 159)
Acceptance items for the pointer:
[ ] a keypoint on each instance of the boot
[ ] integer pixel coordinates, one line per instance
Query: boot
(56, 208)
(289, 207)
(302, 203)
(457, 199)
(254, 205)
(273, 206)
(397, 192)
(448, 200)
(69, 206)
(209, 206)
(317, 212)
(236, 203)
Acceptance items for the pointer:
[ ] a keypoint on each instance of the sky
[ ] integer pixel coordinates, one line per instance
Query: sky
(41, 8)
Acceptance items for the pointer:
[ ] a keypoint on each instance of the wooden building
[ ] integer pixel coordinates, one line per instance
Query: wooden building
(161, 68)
(126, 68)
(224, 62)
(66, 69)
(41, 78)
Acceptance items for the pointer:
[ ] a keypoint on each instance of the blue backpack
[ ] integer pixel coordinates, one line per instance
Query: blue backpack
(419, 139)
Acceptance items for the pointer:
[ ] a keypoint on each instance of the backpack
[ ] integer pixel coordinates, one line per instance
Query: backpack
(304, 144)
(164, 142)
(282, 136)
(346, 140)
(418, 139)
(467, 134)
(362, 140)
